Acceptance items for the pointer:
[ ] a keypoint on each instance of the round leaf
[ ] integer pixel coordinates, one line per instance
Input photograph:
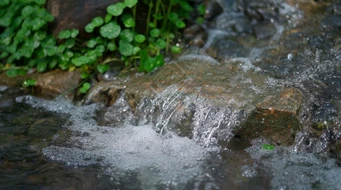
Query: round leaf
(111, 46)
(139, 38)
(64, 34)
(160, 43)
(127, 35)
(125, 48)
(41, 66)
(116, 9)
(78, 61)
(69, 43)
(26, 11)
(180, 24)
(107, 18)
(11, 73)
(130, 3)
(74, 33)
(40, 2)
(110, 30)
(128, 20)
(29, 82)
(91, 43)
(176, 49)
(186, 6)
(37, 23)
(102, 68)
(155, 32)
(89, 28)
(97, 21)
(4, 3)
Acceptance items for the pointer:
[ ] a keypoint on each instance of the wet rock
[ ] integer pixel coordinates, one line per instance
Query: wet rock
(264, 30)
(71, 14)
(260, 10)
(277, 127)
(331, 22)
(50, 84)
(213, 9)
(289, 100)
(195, 35)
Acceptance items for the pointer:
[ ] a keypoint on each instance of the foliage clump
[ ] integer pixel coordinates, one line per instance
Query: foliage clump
(25, 44)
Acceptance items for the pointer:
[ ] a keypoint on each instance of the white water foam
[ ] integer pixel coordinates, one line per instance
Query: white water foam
(169, 159)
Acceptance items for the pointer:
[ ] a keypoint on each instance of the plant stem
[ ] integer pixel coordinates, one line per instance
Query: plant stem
(150, 4)
(156, 11)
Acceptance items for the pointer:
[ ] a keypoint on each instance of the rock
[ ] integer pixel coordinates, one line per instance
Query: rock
(331, 22)
(289, 100)
(58, 82)
(264, 30)
(75, 14)
(277, 127)
(213, 9)
(50, 84)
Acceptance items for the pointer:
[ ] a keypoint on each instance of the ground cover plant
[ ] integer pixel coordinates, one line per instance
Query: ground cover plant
(26, 46)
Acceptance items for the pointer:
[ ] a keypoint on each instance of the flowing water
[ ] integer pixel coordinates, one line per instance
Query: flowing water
(56, 144)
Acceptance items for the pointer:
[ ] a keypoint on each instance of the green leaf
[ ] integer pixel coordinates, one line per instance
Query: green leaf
(64, 34)
(201, 9)
(152, 25)
(130, 3)
(85, 87)
(200, 20)
(127, 35)
(84, 75)
(29, 82)
(139, 38)
(128, 20)
(12, 72)
(4, 3)
(41, 66)
(173, 17)
(116, 9)
(99, 50)
(102, 68)
(89, 28)
(39, 35)
(4, 55)
(180, 24)
(69, 43)
(44, 14)
(26, 11)
(61, 48)
(40, 2)
(186, 6)
(53, 63)
(110, 30)
(91, 43)
(6, 20)
(175, 49)
(81, 60)
(111, 46)
(160, 43)
(159, 60)
(268, 147)
(37, 23)
(74, 33)
(107, 18)
(155, 32)
(136, 50)
(125, 48)
(97, 21)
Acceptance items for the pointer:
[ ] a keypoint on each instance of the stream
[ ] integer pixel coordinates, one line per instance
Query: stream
(270, 64)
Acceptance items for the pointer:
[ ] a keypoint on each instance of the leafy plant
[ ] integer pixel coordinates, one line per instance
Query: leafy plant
(26, 45)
